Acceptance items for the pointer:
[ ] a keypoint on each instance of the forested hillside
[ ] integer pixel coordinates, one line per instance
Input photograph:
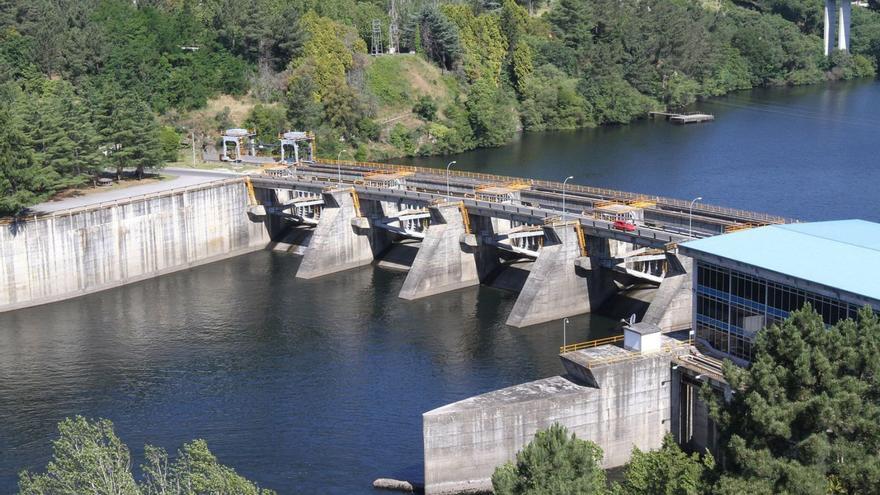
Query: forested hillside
(90, 85)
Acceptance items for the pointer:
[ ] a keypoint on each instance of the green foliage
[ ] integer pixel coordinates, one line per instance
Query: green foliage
(195, 471)
(129, 133)
(23, 181)
(402, 139)
(329, 50)
(804, 416)
(169, 140)
(425, 108)
(484, 45)
(345, 112)
(386, 80)
(550, 100)
(553, 463)
(268, 121)
(63, 134)
(88, 458)
(490, 113)
(438, 37)
(667, 471)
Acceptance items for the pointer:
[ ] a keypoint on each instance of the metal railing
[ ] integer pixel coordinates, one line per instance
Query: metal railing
(121, 201)
(667, 348)
(590, 344)
(609, 193)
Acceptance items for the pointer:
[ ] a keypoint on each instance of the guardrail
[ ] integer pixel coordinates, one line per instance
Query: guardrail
(121, 201)
(654, 237)
(611, 193)
(590, 344)
(667, 348)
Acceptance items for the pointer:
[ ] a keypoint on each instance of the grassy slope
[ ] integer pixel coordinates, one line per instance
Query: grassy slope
(397, 81)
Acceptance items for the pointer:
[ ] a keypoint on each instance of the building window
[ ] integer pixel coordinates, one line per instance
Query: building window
(731, 307)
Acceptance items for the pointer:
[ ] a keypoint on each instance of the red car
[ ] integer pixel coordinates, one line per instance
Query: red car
(623, 225)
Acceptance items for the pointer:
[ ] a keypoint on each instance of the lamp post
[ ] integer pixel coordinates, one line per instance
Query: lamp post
(563, 195)
(193, 141)
(339, 166)
(564, 328)
(453, 162)
(691, 216)
(563, 208)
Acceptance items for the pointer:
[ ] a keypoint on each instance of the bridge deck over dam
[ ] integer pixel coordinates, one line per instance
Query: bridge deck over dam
(667, 219)
(583, 243)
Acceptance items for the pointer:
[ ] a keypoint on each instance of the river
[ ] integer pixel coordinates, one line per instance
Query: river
(318, 386)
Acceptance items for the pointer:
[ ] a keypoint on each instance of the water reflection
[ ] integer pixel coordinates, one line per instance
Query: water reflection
(311, 386)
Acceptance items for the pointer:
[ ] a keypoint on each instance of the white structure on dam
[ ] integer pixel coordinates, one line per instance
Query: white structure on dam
(838, 15)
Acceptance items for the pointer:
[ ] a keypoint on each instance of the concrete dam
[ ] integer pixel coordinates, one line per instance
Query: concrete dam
(78, 251)
(565, 249)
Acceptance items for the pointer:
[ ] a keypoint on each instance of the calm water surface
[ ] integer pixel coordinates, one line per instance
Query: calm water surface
(319, 386)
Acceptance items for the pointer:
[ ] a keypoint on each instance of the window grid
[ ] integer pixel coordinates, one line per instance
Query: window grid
(731, 306)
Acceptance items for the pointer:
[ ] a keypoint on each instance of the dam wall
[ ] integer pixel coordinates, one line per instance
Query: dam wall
(74, 252)
(613, 397)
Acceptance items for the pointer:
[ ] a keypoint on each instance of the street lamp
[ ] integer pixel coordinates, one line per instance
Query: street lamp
(564, 327)
(453, 162)
(563, 195)
(339, 166)
(691, 216)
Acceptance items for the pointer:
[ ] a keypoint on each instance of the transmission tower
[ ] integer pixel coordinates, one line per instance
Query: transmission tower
(376, 44)
(393, 29)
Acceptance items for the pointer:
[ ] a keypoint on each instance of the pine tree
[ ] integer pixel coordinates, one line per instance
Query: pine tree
(129, 132)
(804, 416)
(553, 463)
(23, 181)
(64, 136)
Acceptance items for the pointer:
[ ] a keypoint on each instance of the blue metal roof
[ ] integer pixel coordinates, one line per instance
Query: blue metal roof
(842, 254)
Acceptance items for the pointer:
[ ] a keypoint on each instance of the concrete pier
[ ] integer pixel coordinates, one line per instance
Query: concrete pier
(671, 309)
(341, 239)
(626, 403)
(562, 283)
(446, 260)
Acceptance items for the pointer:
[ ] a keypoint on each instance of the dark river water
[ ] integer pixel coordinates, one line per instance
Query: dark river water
(319, 386)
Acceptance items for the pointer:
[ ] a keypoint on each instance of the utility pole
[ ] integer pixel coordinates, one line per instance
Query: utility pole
(193, 139)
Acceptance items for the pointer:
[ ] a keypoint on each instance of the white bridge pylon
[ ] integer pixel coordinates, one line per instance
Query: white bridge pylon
(838, 20)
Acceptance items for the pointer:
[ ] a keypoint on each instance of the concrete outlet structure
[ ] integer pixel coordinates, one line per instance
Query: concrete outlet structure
(446, 259)
(616, 397)
(562, 282)
(339, 241)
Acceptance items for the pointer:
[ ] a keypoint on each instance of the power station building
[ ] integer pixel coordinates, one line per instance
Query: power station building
(749, 279)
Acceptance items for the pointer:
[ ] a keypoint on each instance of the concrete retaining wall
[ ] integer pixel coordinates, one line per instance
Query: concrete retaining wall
(467, 440)
(75, 252)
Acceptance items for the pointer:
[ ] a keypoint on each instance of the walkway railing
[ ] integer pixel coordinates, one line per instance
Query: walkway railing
(678, 203)
(667, 348)
(590, 344)
(121, 201)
